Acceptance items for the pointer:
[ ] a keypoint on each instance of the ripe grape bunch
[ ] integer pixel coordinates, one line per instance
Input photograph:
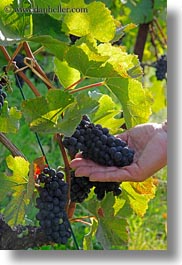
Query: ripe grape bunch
(97, 144)
(3, 94)
(51, 204)
(161, 67)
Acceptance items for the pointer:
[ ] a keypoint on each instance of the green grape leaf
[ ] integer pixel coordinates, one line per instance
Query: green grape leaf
(87, 241)
(141, 11)
(135, 100)
(9, 119)
(56, 47)
(158, 92)
(42, 113)
(83, 105)
(66, 74)
(112, 226)
(112, 232)
(17, 183)
(102, 61)
(52, 8)
(14, 26)
(89, 21)
(78, 59)
(160, 4)
(40, 22)
(105, 115)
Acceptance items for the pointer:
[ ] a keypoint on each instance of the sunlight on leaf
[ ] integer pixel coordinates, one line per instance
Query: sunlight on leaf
(66, 74)
(90, 22)
(17, 183)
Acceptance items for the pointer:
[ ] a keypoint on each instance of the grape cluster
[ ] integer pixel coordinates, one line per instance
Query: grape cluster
(51, 204)
(161, 67)
(3, 94)
(96, 144)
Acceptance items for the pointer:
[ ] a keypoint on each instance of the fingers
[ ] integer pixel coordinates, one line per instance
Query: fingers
(80, 162)
(100, 173)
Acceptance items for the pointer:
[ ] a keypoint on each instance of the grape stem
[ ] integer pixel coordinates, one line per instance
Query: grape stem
(67, 167)
(20, 73)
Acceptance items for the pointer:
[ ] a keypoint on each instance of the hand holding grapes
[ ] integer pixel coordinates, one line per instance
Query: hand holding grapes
(150, 144)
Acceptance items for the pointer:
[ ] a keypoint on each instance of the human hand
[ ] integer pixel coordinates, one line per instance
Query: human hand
(149, 142)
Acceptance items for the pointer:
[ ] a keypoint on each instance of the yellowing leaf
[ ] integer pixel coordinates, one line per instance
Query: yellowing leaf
(121, 61)
(139, 195)
(158, 91)
(147, 187)
(19, 166)
(17, 183)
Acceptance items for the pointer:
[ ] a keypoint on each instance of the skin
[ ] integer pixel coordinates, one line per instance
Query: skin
(149, 142)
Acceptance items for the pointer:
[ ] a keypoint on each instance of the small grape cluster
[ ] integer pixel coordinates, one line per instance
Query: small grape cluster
(51, 203)
(73, 38)
(96, 144)
(80, 188)
(3, 94)
(161, 67)
(19, 59)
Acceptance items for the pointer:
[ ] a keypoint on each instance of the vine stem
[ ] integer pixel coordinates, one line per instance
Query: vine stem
(160, 30)
(10, 62)
(74, 84)
(37, 66)
(86, 87)
(67, 167)
(151, 30)
(10, 146)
